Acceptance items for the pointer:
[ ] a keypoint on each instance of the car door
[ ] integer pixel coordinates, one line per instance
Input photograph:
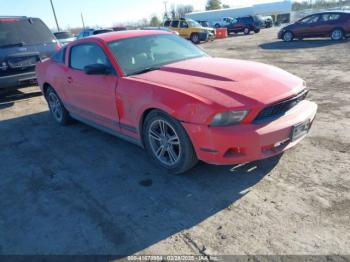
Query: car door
(235, 25)
(175, 26)
(326, 25)
(184, 30)
(92, 97)
(308, 27)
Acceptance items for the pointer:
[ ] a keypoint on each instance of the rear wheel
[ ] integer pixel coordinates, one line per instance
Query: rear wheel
(168, 144)
(217, 26)
(57, 109)
(256, 31)
(337, 34)
(246, 31)
(195, 38)
(288, 36)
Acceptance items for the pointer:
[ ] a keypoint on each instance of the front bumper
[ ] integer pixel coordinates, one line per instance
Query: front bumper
(280, 34)
(18, 80)
(247, 143)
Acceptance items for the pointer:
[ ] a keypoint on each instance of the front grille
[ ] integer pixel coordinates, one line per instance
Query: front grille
(279, 109)
(22, 62)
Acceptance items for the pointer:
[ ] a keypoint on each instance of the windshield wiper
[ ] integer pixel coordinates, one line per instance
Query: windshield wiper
(13, 45)
(145, 70)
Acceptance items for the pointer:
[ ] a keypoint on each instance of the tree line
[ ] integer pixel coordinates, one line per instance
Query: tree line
(319, 4)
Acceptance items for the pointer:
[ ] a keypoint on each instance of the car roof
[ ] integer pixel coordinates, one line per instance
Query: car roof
(331, 12)
(115, 36)
(18, 17)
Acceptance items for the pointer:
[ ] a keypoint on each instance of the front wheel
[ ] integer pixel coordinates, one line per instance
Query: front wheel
(288, 36)
(256, 31)
(195, 38)
(167, 142)
(337, 34)
(246, 31)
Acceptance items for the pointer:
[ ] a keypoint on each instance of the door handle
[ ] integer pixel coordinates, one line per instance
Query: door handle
(69, 80)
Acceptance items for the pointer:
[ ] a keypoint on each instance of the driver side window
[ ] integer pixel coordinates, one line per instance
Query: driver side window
(87, 54)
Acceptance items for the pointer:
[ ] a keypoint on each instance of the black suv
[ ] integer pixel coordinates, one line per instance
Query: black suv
(23, 42)
(246, 24)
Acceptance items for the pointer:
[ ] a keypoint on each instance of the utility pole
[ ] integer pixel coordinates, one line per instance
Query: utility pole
(54, 14)
(166, 9)
(82, 19)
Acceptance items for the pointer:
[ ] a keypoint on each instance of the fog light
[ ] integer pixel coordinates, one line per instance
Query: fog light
(234, 152)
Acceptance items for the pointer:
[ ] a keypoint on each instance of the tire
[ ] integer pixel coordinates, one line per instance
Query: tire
(256, 31)
(217, 26)
(168, 144)
(288, 36)
(246, 31)
(337, 34)
(57, 109)
(195, 38)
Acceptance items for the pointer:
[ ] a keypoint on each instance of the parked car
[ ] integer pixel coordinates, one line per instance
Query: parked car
(23, 42)
(93, 31)
(119, 28)
(203, 23)
(163, 93)
(223, 22)
(268, 21)
(246, 25)
(190, 29)
(161, 28)
(333, 24)
(64, 37)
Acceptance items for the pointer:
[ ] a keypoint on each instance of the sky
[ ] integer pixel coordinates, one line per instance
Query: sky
(104, 13)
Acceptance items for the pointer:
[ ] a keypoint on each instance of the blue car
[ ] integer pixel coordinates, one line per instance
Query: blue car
(91, 31)
(23, 42)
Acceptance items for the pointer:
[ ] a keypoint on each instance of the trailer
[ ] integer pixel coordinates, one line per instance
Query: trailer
(279, 11)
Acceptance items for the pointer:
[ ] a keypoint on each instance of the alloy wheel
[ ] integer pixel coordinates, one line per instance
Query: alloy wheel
(55, 106)
(288, 36)
(337, 34)
(195, 38)
(165, 142)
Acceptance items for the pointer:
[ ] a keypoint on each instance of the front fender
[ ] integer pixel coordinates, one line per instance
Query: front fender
(136, 96)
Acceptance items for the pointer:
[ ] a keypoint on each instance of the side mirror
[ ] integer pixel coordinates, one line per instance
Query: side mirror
(97, 69)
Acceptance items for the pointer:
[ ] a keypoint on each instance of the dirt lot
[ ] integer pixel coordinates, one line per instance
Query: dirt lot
(75, 190)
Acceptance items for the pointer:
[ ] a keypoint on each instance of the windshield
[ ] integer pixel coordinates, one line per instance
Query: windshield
(141, 53)
(24, 31)
(63, 35)
(193, 23)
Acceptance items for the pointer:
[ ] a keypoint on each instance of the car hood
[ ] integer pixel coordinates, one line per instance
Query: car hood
(67, 40)
(226, 82)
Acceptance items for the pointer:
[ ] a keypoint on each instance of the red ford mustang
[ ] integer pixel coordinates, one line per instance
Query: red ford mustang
(163, 93)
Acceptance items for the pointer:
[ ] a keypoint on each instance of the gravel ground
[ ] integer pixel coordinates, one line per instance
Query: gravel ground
(75, 190)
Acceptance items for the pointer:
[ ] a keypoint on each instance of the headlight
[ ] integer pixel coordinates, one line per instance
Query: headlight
(229, 118)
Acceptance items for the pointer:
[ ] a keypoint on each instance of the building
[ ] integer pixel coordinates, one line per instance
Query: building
(280, 12)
